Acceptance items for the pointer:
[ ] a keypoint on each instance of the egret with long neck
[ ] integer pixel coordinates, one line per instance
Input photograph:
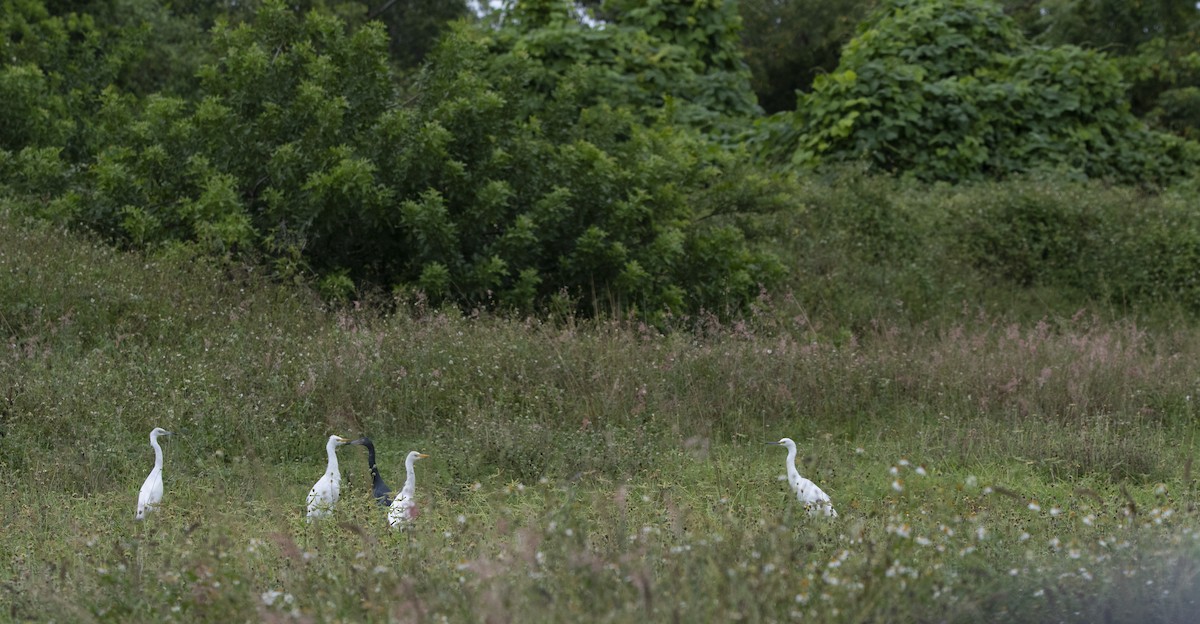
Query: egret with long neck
(404, 508)
(152, 489)
(324, 495)
(379, 489)
(812, 497)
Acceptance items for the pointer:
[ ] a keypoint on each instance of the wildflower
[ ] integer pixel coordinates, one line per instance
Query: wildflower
(980, 532)
(898, 485)
(269, 597)
(1054, 511)
(462, 519)
(1034, 506)
(903, 462)
(1024, 536)
(859, 451)
(921, 470)
(1089, 519)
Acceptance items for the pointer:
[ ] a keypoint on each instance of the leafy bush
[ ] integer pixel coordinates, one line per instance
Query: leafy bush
(950, 90)
(476, 189)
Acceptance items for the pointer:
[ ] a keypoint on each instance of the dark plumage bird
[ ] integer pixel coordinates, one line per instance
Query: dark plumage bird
(379, 489)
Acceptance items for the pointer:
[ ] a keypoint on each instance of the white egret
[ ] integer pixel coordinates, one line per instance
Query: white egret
(404, 508)
(152, 489)
(812, 497)
(324, 494)
(381, 491)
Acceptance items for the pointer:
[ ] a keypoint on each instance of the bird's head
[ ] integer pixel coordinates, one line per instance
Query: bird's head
(363, 442)
(159, 431)
(787, 442)
(414, 456)
(337, 440)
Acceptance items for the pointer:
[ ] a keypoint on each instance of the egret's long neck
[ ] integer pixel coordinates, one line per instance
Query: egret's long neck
(371, 462)
(793, 474)
(158, 457)
(410, 478)
(331, 451)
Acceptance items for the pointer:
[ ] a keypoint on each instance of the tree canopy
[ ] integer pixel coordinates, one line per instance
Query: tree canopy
(586, 156)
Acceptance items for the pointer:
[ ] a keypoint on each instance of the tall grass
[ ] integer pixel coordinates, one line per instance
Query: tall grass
(984, 466)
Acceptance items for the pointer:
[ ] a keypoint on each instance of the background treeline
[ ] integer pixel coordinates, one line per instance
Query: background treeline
(655, 158)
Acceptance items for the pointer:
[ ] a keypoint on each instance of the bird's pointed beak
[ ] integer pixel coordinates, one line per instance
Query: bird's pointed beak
(359, 441)
(422, 455)
(774, 443)
(343, 440)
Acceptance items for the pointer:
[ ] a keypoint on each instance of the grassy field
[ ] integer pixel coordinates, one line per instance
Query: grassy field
(985, 468)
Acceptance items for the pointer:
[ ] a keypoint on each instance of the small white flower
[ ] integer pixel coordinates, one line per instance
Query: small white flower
(268, 597)
(1034, 506)
(921, 470)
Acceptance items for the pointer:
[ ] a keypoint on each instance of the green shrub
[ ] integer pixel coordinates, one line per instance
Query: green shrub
(476, 189)
(950, 90)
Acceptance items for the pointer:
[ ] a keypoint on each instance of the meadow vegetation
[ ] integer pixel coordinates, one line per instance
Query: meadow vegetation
(988, 461)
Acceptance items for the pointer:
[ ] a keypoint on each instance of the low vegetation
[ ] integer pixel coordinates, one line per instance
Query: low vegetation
(985, 465)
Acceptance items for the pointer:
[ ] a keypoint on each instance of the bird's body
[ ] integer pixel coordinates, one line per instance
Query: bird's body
(814, 499)
(404, 508)
(152, 489)
(379, 489)
(324, 495)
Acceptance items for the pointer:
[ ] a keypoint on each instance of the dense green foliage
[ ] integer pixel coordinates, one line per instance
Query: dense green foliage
(476, 188)
(540, 161)
(951, 90)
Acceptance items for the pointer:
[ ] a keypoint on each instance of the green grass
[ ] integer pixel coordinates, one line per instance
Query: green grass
(579, 470)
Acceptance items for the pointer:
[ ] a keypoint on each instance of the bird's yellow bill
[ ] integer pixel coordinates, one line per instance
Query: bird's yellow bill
(422, 455)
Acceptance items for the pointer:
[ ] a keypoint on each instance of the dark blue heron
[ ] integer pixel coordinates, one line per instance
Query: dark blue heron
(379, 489)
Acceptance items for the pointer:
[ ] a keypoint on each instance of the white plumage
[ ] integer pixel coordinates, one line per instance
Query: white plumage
(152, 490)
(812, 497)
(404, 508)
(324, 494)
